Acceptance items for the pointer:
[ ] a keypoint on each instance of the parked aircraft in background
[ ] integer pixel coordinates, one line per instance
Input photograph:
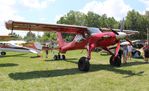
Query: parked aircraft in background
(87, 38)
(19, 46)
(5, 37)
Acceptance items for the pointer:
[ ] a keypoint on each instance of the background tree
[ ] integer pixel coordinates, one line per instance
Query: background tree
(92, 20)
(30, 37)
(138, 22)
(73, 18)
(48, 36)
(15, 36)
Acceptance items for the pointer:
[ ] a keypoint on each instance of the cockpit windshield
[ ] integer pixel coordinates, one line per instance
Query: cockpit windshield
(93, 30)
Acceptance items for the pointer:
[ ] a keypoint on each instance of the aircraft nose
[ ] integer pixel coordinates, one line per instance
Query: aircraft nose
(121, 35)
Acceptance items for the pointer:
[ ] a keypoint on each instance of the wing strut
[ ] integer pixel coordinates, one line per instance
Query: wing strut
(12, 29)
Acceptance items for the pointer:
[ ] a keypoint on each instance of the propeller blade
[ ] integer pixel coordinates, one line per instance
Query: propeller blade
(117, 49)
(129, 41)
(115, 32)
(122, 25)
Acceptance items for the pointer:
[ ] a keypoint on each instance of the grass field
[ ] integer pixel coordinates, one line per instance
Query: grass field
(20, 72)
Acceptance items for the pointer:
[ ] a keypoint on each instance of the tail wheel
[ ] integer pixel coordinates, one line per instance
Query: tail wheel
(63, 57)
(83, 64)
(116, 62)
(55, 57)
(3, 53)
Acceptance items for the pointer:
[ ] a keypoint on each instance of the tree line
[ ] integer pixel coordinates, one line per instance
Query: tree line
(133, 21)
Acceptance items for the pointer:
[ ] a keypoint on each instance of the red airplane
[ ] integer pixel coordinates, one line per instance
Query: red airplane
(86, 38)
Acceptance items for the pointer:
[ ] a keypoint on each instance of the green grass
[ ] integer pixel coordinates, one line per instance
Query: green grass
(19, 72)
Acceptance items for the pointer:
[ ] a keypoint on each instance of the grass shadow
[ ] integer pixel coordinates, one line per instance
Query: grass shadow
(8, 65)
(62, 60)
(72, 71)
(16, 55)
(141, 57)
(35, 56)
(133, 64)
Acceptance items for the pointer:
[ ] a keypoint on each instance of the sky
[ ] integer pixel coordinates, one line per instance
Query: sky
(49, 11)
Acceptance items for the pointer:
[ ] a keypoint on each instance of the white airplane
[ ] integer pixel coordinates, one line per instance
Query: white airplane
(19, 46)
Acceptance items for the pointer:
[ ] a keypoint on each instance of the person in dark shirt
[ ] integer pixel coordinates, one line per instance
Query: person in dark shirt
(146, 52)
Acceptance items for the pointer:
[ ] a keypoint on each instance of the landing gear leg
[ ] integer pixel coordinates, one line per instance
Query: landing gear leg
(84, 64)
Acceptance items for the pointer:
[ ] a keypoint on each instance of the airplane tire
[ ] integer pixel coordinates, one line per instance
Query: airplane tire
(116, 62)
(3, 53)
(111, 61)
(58, 57)
(83, 64)
(63, 57)
(55, 57)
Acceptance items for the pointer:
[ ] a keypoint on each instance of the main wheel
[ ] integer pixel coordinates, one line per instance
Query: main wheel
(111, 61)
(3, 53)
(116, 62)
(55, 57)
(83, 64)
(63, 57)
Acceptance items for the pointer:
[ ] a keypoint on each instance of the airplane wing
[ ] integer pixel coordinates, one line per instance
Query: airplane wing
(5, 37)
(129, 32)
(28, 26)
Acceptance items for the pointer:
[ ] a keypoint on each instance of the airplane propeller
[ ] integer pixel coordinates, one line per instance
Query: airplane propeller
(126, 38)
(115, 32)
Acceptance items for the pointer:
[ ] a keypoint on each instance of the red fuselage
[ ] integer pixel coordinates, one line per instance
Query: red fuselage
(99, 40)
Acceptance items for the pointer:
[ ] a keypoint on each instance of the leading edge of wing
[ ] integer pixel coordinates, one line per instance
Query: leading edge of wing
(29, 26)
(118, 30)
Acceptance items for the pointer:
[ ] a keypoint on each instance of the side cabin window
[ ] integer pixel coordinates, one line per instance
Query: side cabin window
(93, 31)
(79, 38)
(68, 37)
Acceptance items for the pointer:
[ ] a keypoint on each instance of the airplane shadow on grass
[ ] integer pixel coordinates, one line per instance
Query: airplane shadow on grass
(15, 55)
(72, 71)
(62, 60)
(8, 64)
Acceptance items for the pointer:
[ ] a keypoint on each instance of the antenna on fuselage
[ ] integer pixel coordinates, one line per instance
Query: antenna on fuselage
(11, 29)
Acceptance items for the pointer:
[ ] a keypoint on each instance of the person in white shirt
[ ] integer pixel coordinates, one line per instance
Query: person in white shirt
(129, 47)
(125, 53)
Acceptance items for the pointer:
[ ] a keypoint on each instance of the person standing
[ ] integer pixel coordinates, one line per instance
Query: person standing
(46, 50)
(146, 52)
(125, 52)
(129, 47)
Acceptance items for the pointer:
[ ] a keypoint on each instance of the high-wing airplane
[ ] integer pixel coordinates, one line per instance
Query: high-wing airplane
(19, 46)
(86, 38)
